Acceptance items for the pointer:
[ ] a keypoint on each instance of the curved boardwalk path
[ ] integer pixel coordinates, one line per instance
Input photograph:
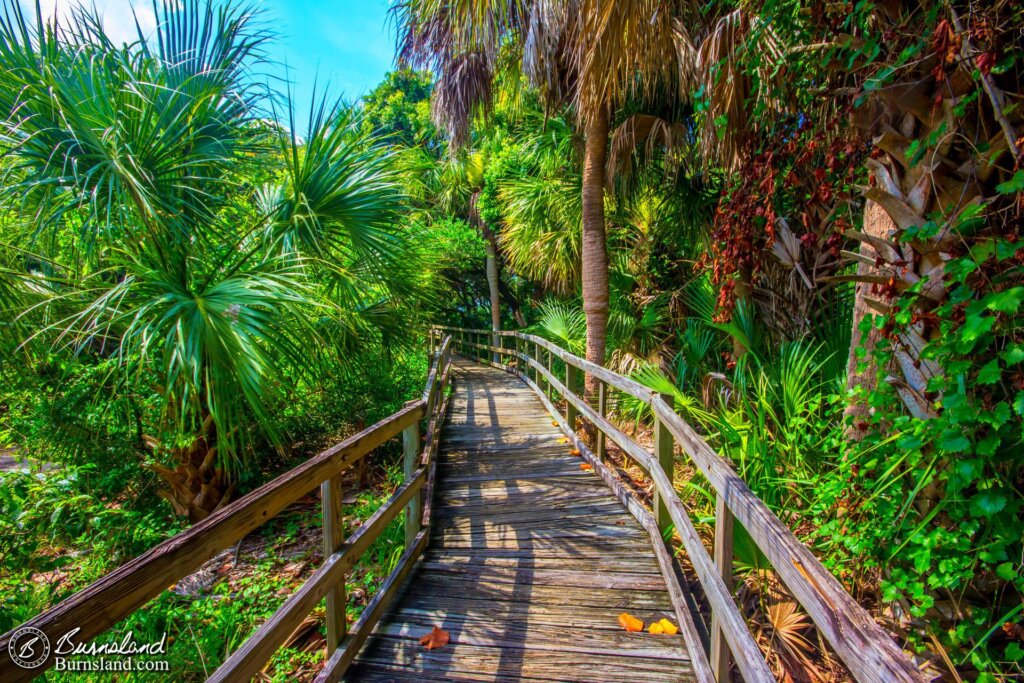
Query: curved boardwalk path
(532, 559)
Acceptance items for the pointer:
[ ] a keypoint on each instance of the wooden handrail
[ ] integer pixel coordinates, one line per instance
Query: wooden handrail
(867, 650)
(101, 605)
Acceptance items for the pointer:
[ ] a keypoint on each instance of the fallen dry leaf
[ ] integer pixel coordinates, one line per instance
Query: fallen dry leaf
(563, 440)
(586, 466)
(575, 452)
(554, 424)
(664, 626)
(438, 637)
(630, 623)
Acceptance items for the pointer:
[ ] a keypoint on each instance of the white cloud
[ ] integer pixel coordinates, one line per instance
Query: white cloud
(118, 16)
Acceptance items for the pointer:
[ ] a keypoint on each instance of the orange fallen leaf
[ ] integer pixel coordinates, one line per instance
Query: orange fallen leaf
(630, 623)
(586, 466)
(575, 452)
(554, 424)
(438, 637)
(664, 626)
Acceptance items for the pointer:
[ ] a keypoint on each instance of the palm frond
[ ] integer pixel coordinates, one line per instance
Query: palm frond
(564, 324)
(541, 237)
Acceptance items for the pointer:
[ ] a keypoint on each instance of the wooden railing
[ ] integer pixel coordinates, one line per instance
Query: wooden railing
(866, 649)
(103, 604)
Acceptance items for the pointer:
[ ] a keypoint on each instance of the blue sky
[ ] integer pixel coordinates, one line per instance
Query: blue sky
(346, 45)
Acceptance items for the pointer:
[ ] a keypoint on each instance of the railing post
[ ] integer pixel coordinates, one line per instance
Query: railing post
(551, 390)
(570, 382)
(334, 535)
(721, 658)
(536, 357)
(663, 448)
(411, 461)
(602, 405)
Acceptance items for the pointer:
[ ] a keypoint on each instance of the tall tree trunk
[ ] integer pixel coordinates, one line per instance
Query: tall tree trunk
(493, 286)
(594, 242)
(877, 223)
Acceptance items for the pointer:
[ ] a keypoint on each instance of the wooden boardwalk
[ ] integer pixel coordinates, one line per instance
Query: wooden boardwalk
(530, 563)
(524, 557)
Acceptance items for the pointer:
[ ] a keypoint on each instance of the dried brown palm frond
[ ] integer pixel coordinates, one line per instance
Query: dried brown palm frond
(551, 37)
(626, 362)
(461, 91)
(780, 627)
(460, 43)
(628, 49)
(637, 140)
(432, 32)
(727, 83)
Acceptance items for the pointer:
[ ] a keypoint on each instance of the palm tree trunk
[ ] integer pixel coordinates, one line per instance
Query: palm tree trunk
(594, 242)
(876, 224)
(493, 285)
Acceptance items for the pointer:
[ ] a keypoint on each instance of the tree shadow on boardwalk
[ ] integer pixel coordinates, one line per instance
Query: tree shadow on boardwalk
(531, 560)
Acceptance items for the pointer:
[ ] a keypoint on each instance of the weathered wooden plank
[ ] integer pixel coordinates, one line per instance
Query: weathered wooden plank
(622, 579)
(558, 464)
(540, 531)
(604, 550)
(542, 665)
(537, 473)
(570, 482)
(596, 563)
(445, 584)
(540, 523)
(514, 634)
(580, 510)
(569, 617)
(497, 500)
(532, 455)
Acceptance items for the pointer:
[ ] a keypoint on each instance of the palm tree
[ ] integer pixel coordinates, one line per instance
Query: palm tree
(538, 196)
(131, 164)
(939, 161)
(584, 53)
